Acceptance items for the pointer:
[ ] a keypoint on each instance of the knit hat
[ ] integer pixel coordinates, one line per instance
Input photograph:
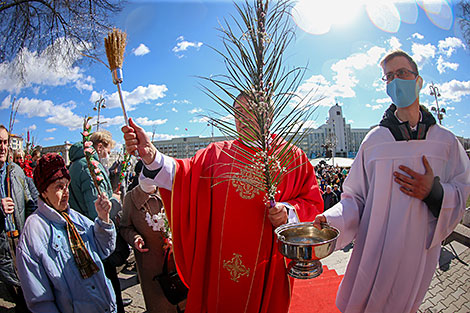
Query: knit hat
(49, 168)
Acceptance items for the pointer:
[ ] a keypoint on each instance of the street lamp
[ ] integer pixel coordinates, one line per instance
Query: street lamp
(439, 112)
(99, 104)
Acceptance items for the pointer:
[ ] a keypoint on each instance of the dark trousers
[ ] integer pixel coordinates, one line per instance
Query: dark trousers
(111, 273)
(17, 294)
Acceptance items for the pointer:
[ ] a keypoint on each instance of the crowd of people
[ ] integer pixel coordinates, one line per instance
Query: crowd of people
(330, 179)
(59, 234)
(62, 237)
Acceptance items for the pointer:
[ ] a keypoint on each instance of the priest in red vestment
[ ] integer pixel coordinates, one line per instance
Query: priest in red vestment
(223, 234)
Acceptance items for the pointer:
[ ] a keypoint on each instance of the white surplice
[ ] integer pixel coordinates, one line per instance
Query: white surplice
(397, 239)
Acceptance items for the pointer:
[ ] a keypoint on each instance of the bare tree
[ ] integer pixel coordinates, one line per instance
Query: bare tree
(59, 28)
(464, 21)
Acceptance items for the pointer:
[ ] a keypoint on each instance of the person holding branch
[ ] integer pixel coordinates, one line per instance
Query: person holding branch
(60, 251)
(222, 230)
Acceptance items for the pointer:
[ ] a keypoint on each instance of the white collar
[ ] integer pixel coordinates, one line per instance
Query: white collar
(412, 128)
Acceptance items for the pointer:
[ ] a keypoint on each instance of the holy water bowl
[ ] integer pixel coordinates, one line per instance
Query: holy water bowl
(305, 245)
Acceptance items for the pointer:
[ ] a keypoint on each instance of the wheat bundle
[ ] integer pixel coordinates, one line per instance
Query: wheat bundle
(115, 45)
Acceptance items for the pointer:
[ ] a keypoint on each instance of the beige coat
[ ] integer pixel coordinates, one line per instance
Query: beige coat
(149, 264)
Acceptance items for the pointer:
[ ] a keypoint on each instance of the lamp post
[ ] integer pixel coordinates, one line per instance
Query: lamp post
(99, 104)
(439, 111)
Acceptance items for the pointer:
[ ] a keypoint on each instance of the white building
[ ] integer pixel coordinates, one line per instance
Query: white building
(335, 133)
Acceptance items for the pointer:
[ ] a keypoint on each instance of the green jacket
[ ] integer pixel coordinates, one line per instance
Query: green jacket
(82, 190)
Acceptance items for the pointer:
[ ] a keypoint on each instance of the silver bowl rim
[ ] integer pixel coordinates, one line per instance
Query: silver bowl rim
(292, 225)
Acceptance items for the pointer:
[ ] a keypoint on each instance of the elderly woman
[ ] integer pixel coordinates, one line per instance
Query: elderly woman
(60, 250)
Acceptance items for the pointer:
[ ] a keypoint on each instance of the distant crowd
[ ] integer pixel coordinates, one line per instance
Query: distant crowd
(330, 180)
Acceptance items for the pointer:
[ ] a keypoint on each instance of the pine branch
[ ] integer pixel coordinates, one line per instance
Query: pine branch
(274, 115)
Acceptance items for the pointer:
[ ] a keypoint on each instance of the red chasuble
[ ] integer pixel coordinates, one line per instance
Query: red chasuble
(224, 244)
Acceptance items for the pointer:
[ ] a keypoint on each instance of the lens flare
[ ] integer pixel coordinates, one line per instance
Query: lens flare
(317, 17)
(438, 12)
(408, 11)
(384, 15)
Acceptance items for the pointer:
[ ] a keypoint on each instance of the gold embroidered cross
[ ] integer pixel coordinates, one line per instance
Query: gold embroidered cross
(236, 268)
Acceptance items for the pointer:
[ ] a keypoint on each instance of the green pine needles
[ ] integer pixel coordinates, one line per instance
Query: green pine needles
(270, 111)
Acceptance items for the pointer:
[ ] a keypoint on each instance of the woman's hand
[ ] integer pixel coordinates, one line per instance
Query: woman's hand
(139, 244)
(103, 207)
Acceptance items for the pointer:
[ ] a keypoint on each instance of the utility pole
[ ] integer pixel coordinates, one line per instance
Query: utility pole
(439, 111)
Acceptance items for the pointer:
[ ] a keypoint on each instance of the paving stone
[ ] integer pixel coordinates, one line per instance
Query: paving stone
(448, 300)
(437, 298)
(439, 307)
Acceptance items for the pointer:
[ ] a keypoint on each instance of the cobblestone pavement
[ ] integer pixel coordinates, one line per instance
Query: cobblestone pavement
(449, 291)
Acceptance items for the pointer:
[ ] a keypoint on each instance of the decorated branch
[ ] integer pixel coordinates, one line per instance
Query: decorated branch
(88, 150)
(159, 222)
(124, 166)
(273, 114)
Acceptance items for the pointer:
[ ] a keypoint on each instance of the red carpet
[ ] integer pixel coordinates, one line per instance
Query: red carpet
(316, 295)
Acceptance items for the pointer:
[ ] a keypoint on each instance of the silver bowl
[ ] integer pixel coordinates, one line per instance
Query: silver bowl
(305, 245)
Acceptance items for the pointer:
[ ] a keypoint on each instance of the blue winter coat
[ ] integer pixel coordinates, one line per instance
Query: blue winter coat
(49, 276)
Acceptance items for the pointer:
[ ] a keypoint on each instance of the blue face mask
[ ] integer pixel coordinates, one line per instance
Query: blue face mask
(403, 91)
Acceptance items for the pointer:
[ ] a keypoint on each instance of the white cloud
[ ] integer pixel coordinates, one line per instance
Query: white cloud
(311, 124)
(32, 127)
(184, 101)
(177, 128)
(320, 87)
(374, 107)
(422, 52)
(183, 45)
(140, 95)
(453, 91)
(449, 45)
(109, 121)
(417, 36)
(49, 138)
(141, 50)
(199, 120)
(6, 103)
(174, 110)
(39, 71)
(195, 110)
(58, 114)
(344, 80)
(443, 65)
(144, 121)
(51, 130)
(157, 137)
(383, 101)
(394, 43)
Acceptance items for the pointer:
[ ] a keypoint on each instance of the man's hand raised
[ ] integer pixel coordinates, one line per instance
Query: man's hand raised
(136, 139)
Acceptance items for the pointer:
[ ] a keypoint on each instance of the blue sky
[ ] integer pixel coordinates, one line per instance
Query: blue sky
(340, 41)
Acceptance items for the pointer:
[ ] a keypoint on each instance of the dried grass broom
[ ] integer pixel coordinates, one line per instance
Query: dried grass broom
(115, 45)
